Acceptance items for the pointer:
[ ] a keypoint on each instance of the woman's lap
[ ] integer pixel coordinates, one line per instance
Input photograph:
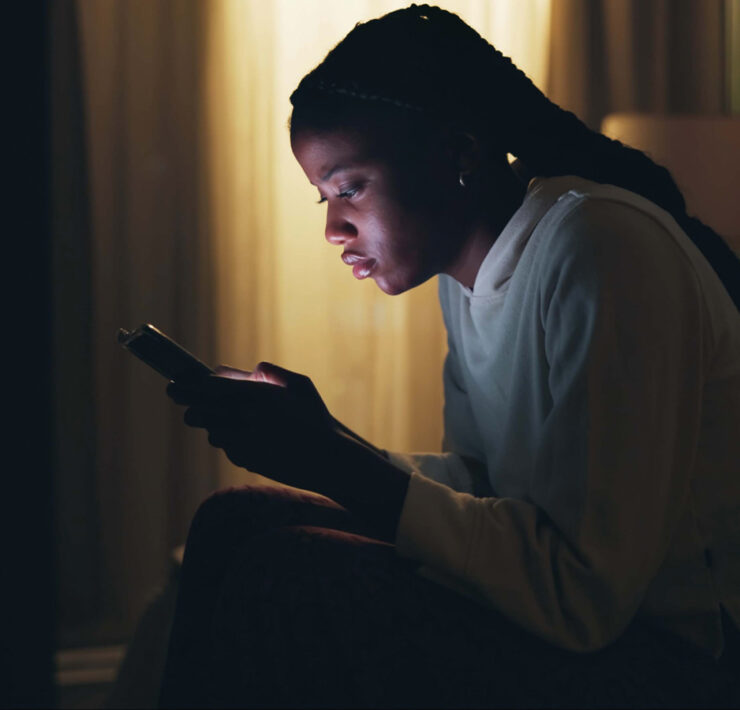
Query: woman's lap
(295, 606)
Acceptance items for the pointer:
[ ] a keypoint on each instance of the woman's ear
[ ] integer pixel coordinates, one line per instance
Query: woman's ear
(465, 152)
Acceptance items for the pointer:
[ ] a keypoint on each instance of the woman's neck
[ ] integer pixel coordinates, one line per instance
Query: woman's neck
(509, 194)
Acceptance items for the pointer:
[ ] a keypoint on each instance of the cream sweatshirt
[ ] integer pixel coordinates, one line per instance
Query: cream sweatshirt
(593, 374)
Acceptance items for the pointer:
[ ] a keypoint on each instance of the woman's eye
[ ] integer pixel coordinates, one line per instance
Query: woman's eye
(351, 192)
(344, 194)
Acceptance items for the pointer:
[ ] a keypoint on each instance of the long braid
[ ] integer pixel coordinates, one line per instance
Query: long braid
(423, 59)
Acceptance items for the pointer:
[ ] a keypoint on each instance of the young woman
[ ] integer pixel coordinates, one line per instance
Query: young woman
(577, 542)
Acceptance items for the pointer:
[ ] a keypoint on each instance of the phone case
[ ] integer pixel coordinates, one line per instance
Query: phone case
(162, 353)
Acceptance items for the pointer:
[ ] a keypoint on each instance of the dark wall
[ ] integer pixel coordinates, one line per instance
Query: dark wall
(26, 668)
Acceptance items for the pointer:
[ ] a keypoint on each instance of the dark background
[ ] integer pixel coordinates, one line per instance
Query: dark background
(27, 561)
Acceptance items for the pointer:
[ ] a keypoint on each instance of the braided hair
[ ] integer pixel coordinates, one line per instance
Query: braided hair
(425, 66)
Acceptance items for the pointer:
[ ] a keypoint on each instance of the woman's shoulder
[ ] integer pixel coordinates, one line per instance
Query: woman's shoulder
(586, 204)
(618, 228)
(614, 239)
(589, 219)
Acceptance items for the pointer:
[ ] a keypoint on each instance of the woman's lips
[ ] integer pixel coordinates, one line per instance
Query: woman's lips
(363, 269)
(362, 266)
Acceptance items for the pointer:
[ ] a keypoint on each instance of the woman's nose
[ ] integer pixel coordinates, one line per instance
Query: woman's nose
(338, 230)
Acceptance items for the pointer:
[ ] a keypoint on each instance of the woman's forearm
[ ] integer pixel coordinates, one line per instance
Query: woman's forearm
(361, 479)
(352, 435)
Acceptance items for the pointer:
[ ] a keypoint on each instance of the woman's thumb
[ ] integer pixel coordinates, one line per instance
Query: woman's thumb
(233, 373)
(274, 374)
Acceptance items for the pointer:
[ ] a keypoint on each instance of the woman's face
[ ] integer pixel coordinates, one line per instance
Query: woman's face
(396, 220)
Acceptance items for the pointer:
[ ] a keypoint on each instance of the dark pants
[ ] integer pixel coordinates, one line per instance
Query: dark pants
(286, 601)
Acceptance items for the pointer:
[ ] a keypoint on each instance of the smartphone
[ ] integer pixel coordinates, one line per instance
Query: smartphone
(163, 354)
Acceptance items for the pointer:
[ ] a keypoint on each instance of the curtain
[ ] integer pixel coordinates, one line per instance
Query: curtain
(178, 202)
(284, 296)
(664, 56)
(131, 236)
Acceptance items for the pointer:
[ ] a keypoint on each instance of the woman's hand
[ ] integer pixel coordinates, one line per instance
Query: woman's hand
(270, 421)
(273, 422)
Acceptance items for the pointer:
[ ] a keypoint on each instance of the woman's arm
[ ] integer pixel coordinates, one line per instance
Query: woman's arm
(362, 480)
(625, 342)
(352, 435)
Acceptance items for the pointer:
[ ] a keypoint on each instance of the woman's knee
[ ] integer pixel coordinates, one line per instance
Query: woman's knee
(223, 504)
(233, 515)
(301, 565)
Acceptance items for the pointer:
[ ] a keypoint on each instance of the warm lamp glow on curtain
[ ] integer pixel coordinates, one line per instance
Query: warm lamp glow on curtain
(175, 145)
(282, 293)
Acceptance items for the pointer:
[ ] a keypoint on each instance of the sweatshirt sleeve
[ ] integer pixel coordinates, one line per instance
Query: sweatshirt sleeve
(619, 305)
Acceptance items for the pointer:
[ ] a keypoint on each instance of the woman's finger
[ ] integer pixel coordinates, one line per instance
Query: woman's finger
(178, 394)
(220, 438)
(208, 417)
(195, 417)
(274, 374)
(225, 391)
(233, 373)
(239, 445)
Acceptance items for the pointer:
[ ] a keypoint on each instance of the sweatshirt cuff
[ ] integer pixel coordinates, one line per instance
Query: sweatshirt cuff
(402, 461)
(446, 468)
(436, 526)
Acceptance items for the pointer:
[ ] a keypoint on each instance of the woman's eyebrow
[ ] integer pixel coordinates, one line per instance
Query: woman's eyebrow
(335, 169)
